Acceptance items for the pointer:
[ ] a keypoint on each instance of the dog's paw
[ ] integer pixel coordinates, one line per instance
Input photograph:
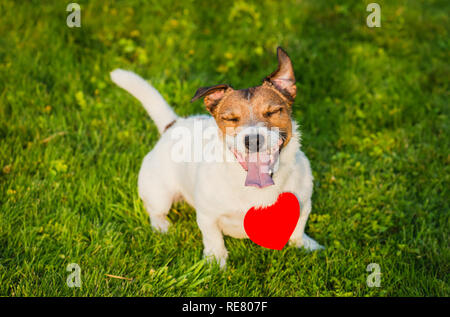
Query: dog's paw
(311, 244)
(308, 244)
(217, 257)
(160, 224)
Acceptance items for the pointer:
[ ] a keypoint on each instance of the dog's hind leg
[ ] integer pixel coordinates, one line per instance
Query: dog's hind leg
(157, 187)
(158, 216)
(157, 201)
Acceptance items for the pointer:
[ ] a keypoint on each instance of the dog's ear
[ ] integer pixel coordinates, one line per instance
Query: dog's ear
(212, 94)
(283, 78)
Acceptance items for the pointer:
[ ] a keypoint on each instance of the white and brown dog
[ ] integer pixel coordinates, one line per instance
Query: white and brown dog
(252, 130)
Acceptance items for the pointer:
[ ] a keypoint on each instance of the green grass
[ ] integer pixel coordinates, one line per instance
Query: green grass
(374, 113)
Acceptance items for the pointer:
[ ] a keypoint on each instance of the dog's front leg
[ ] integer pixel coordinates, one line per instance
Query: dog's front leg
(214, 246)
(299, 238)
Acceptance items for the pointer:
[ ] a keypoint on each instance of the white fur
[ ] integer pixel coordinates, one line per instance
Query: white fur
(215, 189)
(153, 102)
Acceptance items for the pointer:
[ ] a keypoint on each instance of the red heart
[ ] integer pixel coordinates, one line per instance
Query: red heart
(272, 226)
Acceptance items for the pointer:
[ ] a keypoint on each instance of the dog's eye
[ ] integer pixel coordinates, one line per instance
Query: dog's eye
(233, 119)
(271, 113)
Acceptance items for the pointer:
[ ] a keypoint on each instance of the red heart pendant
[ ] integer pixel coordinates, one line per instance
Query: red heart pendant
(272, 226)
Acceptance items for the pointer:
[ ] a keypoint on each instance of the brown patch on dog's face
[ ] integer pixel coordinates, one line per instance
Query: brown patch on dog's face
(269, 104)
(260, 105)
(255, 122)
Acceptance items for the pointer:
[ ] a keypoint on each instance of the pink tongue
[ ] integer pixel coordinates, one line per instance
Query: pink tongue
(258, 165)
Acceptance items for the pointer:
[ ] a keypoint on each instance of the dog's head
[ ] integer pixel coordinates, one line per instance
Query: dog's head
(255, 123)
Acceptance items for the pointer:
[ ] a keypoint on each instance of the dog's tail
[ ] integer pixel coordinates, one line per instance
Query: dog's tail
(157, 108)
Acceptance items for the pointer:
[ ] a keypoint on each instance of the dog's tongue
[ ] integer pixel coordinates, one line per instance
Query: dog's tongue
(258, 165)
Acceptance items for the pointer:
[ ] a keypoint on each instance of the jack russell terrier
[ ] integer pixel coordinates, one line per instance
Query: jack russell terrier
(253, 129)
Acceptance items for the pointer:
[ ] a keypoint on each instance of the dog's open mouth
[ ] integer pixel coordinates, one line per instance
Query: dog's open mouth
(259, 165)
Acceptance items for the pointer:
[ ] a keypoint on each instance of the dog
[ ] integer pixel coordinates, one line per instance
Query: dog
(253, 129)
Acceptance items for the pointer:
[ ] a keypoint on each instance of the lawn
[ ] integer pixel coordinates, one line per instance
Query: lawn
(373, 108)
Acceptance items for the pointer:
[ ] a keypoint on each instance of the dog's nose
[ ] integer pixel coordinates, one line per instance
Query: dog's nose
(254, 142)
